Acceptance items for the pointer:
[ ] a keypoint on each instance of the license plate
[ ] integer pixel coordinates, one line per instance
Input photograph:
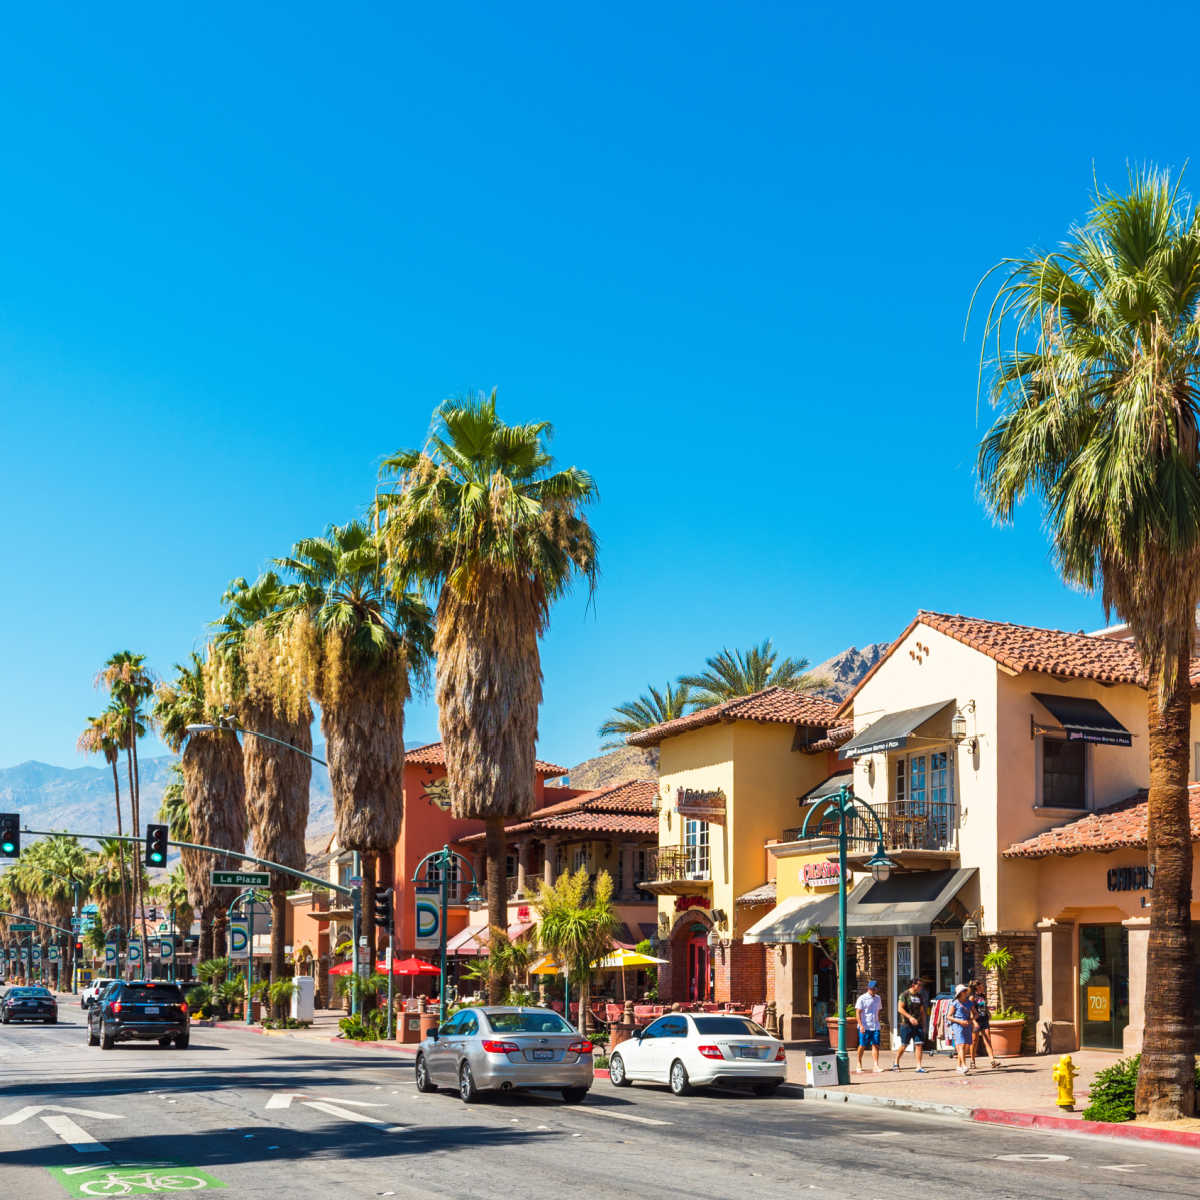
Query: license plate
(152, 1010)
(543, 1055)
(747, 1052)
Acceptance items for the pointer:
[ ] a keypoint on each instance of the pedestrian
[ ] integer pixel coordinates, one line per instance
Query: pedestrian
(983, 1021)
(912, 1012)
(866, 1012)
(960, 1023)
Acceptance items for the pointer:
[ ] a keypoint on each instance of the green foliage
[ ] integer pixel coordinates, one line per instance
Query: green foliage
(504, 961)
(281, 991)
(600, 1062)
(284, 1023)
(1110, 1097)
(645, 947)
(201, 1000)
(368, 1028)
(361, 985)
(1000, 960)
(734, 673)
(577, 920)
(212, 969)
(646, 711)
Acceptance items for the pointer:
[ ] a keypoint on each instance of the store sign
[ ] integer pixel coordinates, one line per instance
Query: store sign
(1130, 879)
(1098, 1004)
(820, 872)
(700, 805)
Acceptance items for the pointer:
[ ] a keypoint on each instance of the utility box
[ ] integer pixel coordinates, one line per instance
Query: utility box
(303, 1008)
(820, 1070)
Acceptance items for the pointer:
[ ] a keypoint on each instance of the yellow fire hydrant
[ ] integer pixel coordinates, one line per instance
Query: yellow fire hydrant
(1064, 1075)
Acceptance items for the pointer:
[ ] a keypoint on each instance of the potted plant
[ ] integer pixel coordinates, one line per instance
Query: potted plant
(851, 1030)
(1007, 1024)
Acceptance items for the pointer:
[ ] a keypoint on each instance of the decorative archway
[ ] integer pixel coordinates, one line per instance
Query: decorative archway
(690, 956)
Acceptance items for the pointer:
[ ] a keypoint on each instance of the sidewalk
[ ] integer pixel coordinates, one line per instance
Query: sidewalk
(1021, 1092)
(323, 1029)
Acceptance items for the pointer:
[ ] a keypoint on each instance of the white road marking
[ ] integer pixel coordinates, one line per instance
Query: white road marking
(1123, 1167)
(620, 1116)
(1032, 1158)
(335, 1110)
(356, 1103)
(76, 1137)
(884, 1133)
(284, 1099)
(23, 1114)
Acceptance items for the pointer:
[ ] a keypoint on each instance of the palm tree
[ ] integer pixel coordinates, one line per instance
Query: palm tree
(577, 923)
(44, 872)
(173, 893)
(356, 640)
(645, 712)
(213, 784)
(482, 517)
(106, 871)
(1098, 353)
(130, 684)
(102, 736)
(734, 673)
(247, 652)
(193, 865)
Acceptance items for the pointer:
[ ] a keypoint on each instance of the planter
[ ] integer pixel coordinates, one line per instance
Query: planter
(1006, 1037)
(851, 1035)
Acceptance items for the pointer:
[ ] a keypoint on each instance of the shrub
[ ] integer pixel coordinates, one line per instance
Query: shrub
(200, 1000)
(370, 1028)
(600, 1062)
(1111, 1096)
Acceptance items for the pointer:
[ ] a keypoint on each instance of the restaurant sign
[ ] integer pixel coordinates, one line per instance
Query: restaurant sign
(817, 873)
(701, 805)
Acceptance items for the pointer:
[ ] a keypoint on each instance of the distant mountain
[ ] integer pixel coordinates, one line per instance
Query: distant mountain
(81, 798)
(627, 762)
(845, 670)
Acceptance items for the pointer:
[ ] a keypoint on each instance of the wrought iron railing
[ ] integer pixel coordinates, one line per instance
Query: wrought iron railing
(678, 862)
(907, 825)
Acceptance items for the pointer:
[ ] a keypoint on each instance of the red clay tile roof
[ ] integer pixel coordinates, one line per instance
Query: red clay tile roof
(773, 705)
(626, 807)
(434, 755)
(1119, 827)
(1030, 648)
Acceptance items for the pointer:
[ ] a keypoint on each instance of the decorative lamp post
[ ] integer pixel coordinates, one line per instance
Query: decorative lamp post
(441, 861)
(846, 806)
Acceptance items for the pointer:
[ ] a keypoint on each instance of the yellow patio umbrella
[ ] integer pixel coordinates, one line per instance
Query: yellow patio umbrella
(546, 965)
(620, 958)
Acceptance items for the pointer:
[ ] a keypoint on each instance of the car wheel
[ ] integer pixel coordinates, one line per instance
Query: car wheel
(616, 1072)
(165, 1042)
(767, 1089)
(466, 1084)
(424, 1082)
(574, 1095)
(679, 1079)
(107, 1041)
(93, 1039)
(181, 1042)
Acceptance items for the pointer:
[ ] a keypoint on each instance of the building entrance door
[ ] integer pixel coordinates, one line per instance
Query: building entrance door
(698, 966)
(1103, 985)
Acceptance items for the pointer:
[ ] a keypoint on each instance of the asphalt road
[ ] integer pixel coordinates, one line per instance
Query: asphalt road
(280, 1117)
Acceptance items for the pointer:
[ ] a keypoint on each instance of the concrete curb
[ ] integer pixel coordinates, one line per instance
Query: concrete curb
(1130, 1132)
(901, 1105)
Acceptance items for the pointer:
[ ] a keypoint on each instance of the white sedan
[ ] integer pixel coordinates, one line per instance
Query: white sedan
(689, 1050)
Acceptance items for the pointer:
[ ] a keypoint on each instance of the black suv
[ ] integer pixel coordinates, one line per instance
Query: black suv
(143, 1010)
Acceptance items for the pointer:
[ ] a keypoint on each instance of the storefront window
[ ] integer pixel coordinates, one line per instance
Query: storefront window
(695, 837)
(1103, 985)
(1063, 774)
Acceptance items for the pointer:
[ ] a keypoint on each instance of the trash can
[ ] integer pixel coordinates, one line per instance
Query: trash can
(302, 998)
(820, 1070)
(429, 1022)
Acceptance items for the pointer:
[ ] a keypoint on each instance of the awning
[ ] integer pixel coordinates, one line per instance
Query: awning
(473, 941)
(891, 732)
(902, 906)
(829, 787)
(1085, 720)
(792, 920)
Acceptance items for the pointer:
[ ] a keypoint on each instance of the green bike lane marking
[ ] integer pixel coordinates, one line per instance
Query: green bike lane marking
(133, 1178)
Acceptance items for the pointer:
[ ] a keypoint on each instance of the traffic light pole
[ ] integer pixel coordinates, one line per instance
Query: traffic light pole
(391, 958)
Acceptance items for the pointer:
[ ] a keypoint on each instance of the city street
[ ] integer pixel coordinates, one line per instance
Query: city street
(261, 1116)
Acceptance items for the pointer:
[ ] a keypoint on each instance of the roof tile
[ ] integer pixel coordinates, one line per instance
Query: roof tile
(773, 705)
(434, 755)
(626, 807)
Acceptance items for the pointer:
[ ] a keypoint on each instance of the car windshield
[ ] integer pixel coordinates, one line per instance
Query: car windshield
(730, 1026)
(26, 992)
(527, 1022)
(152, 993)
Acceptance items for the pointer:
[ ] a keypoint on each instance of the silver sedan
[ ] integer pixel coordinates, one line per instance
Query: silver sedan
(494, 1048)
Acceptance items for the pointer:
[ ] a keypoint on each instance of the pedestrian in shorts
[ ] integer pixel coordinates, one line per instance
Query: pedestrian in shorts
(960, 1024)
(983, 1021)
(866, 1012)
(911, 1010)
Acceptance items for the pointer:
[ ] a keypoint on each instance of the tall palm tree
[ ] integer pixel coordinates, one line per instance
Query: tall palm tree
(194, 865)
(483, 518)
(213, 784)
(248, 650)
(173, 893)
(645, 712)
(734, 673)
(130, 684)
(357, 640)
(106, 871)
(1098, 355)
(103, 736)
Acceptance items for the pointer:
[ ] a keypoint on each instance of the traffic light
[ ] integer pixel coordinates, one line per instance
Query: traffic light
(383, 908)
(156, 845)
(10, 835)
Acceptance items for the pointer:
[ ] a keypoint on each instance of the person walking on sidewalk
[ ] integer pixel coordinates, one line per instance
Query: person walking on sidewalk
(960, 1024)
(866, 1012)
(982, 1032)
(911, 1010)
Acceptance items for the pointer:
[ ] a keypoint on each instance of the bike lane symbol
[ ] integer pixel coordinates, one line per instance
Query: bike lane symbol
(133, 1179)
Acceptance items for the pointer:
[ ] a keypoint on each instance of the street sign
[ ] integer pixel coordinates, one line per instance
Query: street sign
(110, 953)
(239, 938)
(90, 910)
(37, 954)
(23, 927)
(134, 952)
(166, 950)
(240, 878)
(164, 927)
(54, 954)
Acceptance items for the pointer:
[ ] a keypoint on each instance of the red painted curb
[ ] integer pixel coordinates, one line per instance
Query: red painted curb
(601, 1073)
(396, 1047)
(1137, 1133)
(235, 1027)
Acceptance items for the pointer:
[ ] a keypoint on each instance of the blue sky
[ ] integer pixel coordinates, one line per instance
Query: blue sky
(726, 249)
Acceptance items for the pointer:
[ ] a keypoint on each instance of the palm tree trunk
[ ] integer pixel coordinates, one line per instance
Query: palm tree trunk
(121, 845)
(1166, 1087)
(220, 931)
(135, 882)
(137, 830)
(205, 949)
(279, 907)
(497, 891)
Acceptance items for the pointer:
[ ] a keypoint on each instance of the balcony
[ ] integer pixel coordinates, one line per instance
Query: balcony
(919, 829)
(678, 871)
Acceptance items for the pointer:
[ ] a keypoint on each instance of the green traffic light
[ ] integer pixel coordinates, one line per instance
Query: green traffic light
(7, 847)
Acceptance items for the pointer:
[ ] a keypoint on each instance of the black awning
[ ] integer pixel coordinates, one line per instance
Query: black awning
(1085, 720)
(901, 906)
(829, 787)
(891, 732)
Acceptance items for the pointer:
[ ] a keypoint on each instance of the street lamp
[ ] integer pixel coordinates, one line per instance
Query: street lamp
(229, 725)
(442, 860)
(847, 807)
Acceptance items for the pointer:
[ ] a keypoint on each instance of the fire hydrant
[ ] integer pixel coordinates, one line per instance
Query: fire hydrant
(1064, 1075)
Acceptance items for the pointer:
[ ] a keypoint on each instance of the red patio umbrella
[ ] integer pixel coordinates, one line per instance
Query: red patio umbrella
(342, 969)
(408, 966)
